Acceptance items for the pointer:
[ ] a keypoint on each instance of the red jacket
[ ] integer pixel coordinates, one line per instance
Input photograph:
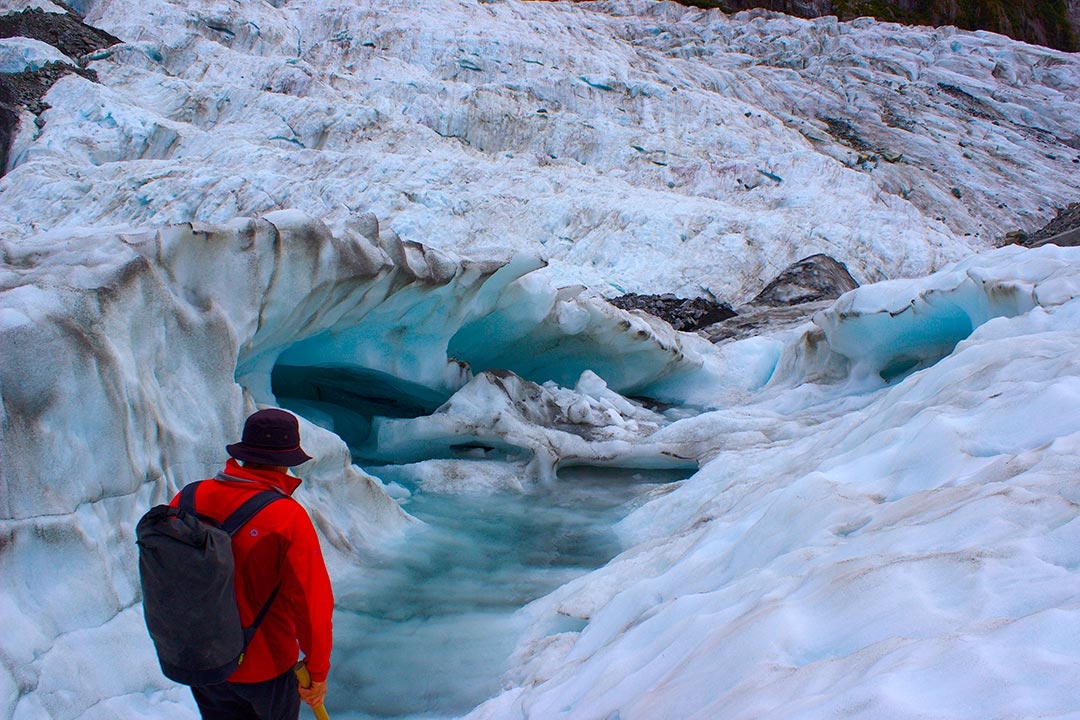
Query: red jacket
(277, 545)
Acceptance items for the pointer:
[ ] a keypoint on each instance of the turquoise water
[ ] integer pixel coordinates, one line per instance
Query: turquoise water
(429, 633)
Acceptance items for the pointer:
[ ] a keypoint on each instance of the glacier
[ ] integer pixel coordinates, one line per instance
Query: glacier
(402, 223)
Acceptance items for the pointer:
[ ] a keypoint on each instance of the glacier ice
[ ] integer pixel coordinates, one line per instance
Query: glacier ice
(883, 331)
(19, 54)
(161, 341)
(771, 433)
(212, 111)
(881, 516)
(900, 551)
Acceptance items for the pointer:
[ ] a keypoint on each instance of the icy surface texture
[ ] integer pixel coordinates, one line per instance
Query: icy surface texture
(885, 519)
(19, 54)
(892, 328)
(846, 531)
(131, 359)
(499, 416)
(910, 551)
(641, 146)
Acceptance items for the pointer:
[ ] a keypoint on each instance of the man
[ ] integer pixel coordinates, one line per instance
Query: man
(277, 548)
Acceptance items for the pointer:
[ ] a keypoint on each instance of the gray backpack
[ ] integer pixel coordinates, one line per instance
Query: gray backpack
(186, 571)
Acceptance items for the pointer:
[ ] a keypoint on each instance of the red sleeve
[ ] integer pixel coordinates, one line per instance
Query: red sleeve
(306, 584)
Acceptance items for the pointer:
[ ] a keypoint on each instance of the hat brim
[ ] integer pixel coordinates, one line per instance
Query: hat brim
(260, 456)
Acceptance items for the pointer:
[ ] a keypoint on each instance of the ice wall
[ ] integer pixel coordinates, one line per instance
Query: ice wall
(118, 385)
(131, 359)
(159, 342)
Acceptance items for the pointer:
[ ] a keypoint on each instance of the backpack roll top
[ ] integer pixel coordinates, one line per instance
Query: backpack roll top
(186, 570)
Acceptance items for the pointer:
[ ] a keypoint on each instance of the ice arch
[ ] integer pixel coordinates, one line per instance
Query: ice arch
(163, 339)
(159, 342)
(426, 322)
(886, 331)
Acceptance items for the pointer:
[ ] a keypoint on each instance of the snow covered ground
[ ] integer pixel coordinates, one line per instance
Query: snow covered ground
(398, 220)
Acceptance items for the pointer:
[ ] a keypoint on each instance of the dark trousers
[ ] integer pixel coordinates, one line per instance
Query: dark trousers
(275, 699)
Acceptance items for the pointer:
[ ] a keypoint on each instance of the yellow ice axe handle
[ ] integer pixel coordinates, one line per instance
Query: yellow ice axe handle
(304, 678)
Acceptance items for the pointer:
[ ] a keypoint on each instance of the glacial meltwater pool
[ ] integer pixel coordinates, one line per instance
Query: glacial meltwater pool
(429, 632)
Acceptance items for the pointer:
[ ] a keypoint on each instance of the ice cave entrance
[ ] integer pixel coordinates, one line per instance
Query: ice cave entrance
(429, 631)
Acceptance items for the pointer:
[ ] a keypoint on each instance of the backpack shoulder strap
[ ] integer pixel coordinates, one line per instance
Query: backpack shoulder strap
(249, 509)
(249, 631)
(187, 497)
(237, 520)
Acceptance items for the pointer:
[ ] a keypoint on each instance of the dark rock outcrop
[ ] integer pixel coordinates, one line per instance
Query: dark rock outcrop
(794, 295)
(1063, 230)
(814, 278)
(25, 89)
(681, 313)
(68, 34)
(64, 31)
(1052, 23)
(757, 319)
(809, 285)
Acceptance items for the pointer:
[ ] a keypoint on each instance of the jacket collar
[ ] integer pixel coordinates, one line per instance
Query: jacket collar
(270, 479)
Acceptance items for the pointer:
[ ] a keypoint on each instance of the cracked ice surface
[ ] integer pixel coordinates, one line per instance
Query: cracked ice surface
(683, 149)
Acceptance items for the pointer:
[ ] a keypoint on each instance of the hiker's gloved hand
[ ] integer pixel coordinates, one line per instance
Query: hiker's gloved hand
(314, 695)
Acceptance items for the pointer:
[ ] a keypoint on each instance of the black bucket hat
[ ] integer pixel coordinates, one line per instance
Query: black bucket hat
(271, 437)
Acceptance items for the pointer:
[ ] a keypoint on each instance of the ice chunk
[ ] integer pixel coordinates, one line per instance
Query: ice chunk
(19, 54)
(893, 328)
(501, 416)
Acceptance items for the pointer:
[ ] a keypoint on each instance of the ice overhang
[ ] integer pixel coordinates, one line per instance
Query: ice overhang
(411, 356)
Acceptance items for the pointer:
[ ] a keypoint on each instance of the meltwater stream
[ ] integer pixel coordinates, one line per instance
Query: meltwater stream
(429, 633)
